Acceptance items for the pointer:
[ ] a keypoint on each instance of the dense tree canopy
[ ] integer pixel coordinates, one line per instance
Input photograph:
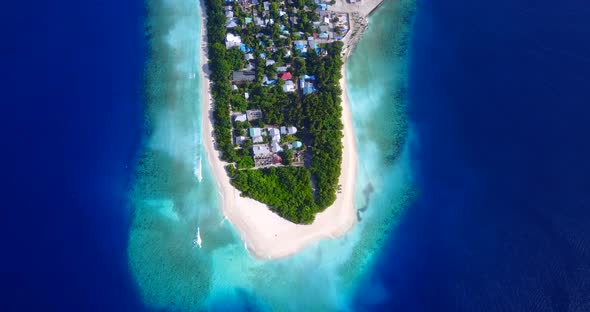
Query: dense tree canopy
(287, 190)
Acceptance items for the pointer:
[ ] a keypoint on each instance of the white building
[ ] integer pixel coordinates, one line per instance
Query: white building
(257, 139)
(249, 67)
(254, 132)
(253, 114)
(283, 130)
(240, 139)
(231, 23)
(260, 150)
(232, 40)
(275, 147)
(241, 117)
(273, 131)
(259, 22)
(289, 86)
(291, 130)
(275, 134)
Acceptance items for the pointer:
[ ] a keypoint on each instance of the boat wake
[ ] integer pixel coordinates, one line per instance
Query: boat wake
(198, 171)
(198, 168)
(198, 241)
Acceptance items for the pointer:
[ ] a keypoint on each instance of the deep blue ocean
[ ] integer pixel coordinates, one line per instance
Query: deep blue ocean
(498, 100)
(71, 89)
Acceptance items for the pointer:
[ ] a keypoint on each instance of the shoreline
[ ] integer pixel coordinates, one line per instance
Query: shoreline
(265, 234)
(358, 17)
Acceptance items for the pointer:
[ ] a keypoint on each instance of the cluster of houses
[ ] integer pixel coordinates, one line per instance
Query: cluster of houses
(266, 154)
(277, 39)
(266, 142)
(329, 27)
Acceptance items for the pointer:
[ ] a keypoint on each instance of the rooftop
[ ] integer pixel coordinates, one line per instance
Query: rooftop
(253, 114)
(276, 147)
(286, 76)
(260, 150)
(240, 76)
(241, 117)
(254, 132)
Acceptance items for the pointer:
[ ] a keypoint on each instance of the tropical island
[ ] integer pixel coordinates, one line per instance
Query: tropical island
(275, 73)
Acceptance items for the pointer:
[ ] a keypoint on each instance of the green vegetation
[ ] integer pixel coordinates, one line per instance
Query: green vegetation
(277, 106)
(244, 160)
(221, 61)
(287, 190)
(323, 110)
(287, 157)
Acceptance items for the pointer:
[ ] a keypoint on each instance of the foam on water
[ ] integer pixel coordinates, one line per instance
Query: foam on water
(170, 203)
(199, 168)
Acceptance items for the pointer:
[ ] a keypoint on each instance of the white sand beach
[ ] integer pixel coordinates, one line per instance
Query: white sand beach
(265, 234)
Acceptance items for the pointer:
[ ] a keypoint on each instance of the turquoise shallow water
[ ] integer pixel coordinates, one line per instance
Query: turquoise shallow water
(174, 193)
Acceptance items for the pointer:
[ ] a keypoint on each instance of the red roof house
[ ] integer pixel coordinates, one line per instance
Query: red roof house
(277, 159)
(286, 76)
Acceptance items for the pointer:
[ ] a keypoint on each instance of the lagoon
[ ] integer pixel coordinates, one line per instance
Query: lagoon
(174, 193)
